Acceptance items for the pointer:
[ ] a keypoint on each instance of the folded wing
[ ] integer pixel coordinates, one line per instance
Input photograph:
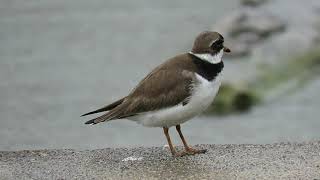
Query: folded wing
(160, 89)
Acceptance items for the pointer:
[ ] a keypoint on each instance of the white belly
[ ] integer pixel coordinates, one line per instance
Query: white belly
(202, 97)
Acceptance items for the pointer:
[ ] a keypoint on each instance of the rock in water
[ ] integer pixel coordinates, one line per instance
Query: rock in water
(246, 28)
(253, 3)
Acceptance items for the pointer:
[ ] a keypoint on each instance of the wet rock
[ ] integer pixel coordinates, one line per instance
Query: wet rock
(233, 99)
(269, 37)
(252, 3)
(271, 82)
(273, 30)
(287, 45)
(246, 28)
(266, 43)
(254, 24)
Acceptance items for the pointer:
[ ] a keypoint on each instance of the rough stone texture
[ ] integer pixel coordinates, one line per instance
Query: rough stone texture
(271, 161)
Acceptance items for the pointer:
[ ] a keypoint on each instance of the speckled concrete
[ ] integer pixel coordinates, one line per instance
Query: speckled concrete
(271, 161)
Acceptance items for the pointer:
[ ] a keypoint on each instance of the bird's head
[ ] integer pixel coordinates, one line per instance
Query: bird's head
(209, 46)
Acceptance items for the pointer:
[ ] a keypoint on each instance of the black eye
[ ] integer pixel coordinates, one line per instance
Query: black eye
(217, 44)
(220, 41)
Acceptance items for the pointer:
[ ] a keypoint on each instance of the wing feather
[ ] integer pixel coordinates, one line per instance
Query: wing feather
(160, 89)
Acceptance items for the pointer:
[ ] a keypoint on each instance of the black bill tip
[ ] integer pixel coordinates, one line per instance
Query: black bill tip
(227, 50)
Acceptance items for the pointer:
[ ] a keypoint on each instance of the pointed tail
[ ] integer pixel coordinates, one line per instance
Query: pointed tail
(113, 114)
(106, 108)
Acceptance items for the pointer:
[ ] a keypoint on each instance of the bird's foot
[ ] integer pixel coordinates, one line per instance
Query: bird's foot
(196, 151)
(190, 151)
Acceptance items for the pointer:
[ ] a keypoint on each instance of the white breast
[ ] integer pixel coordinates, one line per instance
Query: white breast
(203, 94)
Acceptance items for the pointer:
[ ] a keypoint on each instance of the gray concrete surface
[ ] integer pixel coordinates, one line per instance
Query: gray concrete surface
(271, 161)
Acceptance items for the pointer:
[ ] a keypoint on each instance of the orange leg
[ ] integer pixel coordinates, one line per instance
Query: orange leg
(166, 132)
(172, 149)
(189, 150)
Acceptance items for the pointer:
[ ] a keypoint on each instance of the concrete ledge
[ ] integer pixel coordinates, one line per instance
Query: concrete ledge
(271, 161)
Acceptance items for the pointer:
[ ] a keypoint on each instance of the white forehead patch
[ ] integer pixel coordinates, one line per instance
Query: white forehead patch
(214, 59)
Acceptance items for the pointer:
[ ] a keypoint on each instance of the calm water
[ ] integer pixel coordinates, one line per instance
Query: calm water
(60, 59)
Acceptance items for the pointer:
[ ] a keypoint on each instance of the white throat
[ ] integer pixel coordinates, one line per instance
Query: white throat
(214, 59)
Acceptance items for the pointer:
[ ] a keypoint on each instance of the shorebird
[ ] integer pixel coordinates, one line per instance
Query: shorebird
(175, 91)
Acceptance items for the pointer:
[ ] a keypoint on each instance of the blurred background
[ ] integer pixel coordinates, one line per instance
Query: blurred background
(60, 59)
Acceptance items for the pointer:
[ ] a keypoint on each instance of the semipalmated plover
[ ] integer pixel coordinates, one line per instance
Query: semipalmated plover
(175, 91)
